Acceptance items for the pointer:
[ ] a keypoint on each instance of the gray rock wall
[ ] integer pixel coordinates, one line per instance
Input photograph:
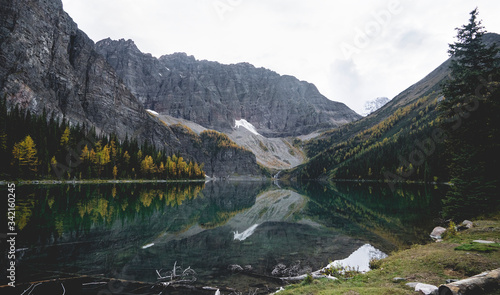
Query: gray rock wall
(215, 95)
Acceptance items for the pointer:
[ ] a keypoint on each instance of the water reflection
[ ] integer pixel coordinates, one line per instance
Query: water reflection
(372, 211)
(360, 259)
(131, 230)
(245, 234)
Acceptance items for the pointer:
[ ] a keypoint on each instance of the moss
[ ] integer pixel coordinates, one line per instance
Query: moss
(478, 247)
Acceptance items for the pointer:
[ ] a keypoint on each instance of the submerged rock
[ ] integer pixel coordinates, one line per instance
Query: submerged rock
(235, 268)
(279, 270)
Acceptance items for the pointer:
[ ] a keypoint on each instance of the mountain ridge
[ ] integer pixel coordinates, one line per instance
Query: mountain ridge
(215, 95)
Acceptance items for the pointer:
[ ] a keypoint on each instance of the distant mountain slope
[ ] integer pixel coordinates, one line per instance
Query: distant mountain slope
(274, 153)
(385, 143)
(47, 62)
(216, 95)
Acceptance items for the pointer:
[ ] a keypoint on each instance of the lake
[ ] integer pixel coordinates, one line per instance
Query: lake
(236, 236)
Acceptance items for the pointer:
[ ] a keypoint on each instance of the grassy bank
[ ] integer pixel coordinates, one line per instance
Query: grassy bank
(432, 263)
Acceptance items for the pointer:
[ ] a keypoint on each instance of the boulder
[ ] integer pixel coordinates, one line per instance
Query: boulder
(466, 224)
(412, 285)
(437, 233)
(426, 289)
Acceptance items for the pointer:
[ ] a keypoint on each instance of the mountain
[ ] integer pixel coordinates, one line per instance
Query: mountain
(46, 62)
(373, 105)
(216, 95)
(400, 141)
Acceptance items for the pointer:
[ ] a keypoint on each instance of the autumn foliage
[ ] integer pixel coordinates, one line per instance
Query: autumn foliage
(39, 147)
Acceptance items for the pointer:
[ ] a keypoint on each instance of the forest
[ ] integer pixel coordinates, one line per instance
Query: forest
(45, 147)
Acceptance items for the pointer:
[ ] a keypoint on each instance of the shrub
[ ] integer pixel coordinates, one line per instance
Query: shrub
(308, 280)
(375, 263)
(341, 271)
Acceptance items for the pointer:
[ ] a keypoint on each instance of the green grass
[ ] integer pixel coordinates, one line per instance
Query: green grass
(485, 248)
(433, 263)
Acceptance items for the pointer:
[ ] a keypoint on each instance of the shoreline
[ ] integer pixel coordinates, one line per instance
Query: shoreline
(122, 181)
(99, 181)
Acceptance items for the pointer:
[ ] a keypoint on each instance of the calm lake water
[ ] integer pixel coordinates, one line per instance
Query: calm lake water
(131, 231)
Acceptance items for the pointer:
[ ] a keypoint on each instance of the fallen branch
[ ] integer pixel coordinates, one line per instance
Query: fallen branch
(187, 275)
(477, 284)
(30, 287)
(94, 283)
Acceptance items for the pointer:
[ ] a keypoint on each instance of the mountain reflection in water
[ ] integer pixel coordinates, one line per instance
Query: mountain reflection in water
(129, 231)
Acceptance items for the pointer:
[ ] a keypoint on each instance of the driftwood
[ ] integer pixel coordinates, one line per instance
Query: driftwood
(177, 276)
(303, 277)
(478, 284)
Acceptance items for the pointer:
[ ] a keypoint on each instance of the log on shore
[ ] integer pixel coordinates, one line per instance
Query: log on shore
(314, 275)
(477, 284)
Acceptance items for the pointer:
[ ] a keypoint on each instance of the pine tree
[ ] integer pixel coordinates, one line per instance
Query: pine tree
(65, 138)
(472, 61)
(466, 113)
(148, 167)
(25, 156)
(115, 172)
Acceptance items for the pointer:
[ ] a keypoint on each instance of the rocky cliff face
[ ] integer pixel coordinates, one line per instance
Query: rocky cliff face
(215, 95)
(47, 62)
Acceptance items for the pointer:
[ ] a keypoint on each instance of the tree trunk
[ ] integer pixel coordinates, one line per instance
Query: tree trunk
(478, 284)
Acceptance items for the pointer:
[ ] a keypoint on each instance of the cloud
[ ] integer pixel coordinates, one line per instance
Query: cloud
(347, 84)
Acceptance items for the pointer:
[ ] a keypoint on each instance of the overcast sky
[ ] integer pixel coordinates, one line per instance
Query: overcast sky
(353, 51)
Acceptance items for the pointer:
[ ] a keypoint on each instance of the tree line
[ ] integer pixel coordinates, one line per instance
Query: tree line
(45, 147)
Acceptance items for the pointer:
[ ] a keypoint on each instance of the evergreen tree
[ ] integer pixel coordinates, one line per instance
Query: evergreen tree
(468, 114)
(472, 61)
(25, 156)
(148, 166)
